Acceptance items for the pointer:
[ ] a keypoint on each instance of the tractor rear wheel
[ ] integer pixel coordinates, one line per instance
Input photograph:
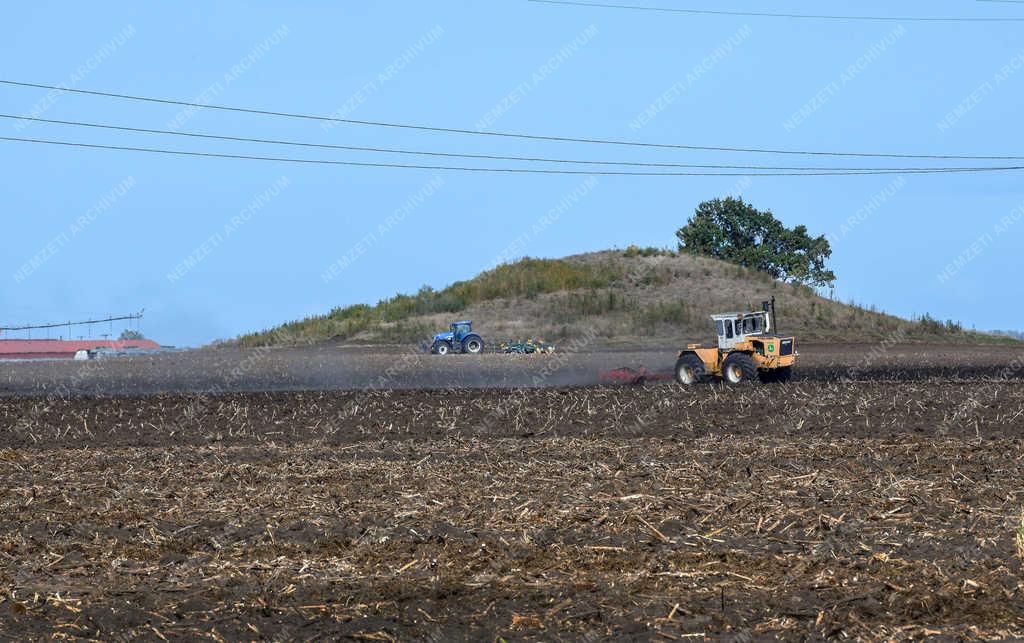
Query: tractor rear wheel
(441, 348)
(690, 370)
(472, 344)
(739, 368)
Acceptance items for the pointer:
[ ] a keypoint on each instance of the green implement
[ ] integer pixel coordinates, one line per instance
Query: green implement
(529, 347)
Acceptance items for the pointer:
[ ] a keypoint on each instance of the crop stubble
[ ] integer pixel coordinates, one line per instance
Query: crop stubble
(870, 509)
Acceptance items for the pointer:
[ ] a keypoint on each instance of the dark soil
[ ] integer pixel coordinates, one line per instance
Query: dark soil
(328, 367)
(874, 503)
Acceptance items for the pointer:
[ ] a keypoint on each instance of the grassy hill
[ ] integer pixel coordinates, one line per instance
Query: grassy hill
(632, 297)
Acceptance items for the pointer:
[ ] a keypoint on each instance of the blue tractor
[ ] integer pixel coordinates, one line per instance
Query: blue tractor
(460, 339)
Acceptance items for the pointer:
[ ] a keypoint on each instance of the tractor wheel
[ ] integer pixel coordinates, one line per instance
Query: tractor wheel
(739, 368)
(690, 370)
(473, 345)
(441, 348)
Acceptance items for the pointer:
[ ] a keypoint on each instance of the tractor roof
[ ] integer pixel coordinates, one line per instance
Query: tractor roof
(735, 315)
(465, 321)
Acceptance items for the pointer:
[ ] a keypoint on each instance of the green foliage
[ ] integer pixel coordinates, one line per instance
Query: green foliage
(931, 325)
(1015, 334)
(647, 320)
(734, 231)
(404, 332)
(589, 303)
(129, 333)
(649, 251)
(531, 277)
(655, 276)
(524, 278)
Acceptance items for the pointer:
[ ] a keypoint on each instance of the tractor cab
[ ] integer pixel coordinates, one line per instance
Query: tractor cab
(456, 333)
(460, 329)
(735, 328)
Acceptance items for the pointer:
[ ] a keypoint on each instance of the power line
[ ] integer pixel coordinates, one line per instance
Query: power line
(506, 169)
(445, 154)
(761, 14)
(515, 135)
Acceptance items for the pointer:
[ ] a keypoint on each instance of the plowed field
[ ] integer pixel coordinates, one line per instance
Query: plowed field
(862, 500)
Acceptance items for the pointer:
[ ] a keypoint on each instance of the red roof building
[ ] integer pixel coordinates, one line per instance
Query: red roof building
(38, 348)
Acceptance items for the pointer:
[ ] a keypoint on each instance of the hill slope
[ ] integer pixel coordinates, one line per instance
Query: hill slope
(624, 298)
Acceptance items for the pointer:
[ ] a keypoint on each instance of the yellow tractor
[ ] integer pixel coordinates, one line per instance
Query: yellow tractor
(747, 351)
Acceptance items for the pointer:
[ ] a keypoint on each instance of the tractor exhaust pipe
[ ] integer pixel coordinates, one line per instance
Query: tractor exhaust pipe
(769, 306)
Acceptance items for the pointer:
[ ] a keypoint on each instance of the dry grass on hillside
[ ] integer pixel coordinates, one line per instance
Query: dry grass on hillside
(621, 298)
(668, 299)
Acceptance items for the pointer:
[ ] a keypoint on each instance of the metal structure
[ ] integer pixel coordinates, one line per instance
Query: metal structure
(88, 323)
(636, 376)
(529, 347)
(746, 350)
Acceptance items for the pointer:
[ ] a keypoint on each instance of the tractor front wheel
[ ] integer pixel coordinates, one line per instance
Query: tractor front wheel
(690, 370)
(739, 368)
(441, 348)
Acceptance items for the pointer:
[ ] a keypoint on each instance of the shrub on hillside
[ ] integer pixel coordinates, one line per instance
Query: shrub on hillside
(931, 325)
(675, 314)
(590, 303)
(649, 251)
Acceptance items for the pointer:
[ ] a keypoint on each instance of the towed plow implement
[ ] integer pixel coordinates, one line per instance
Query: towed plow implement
(635, 376)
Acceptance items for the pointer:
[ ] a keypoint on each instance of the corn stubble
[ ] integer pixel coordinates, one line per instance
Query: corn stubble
(821, 509)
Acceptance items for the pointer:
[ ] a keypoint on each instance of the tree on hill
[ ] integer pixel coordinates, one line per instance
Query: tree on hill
(129, 333)
(734, 231)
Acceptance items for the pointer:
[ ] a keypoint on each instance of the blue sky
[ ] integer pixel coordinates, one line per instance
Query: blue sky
(213, 247)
